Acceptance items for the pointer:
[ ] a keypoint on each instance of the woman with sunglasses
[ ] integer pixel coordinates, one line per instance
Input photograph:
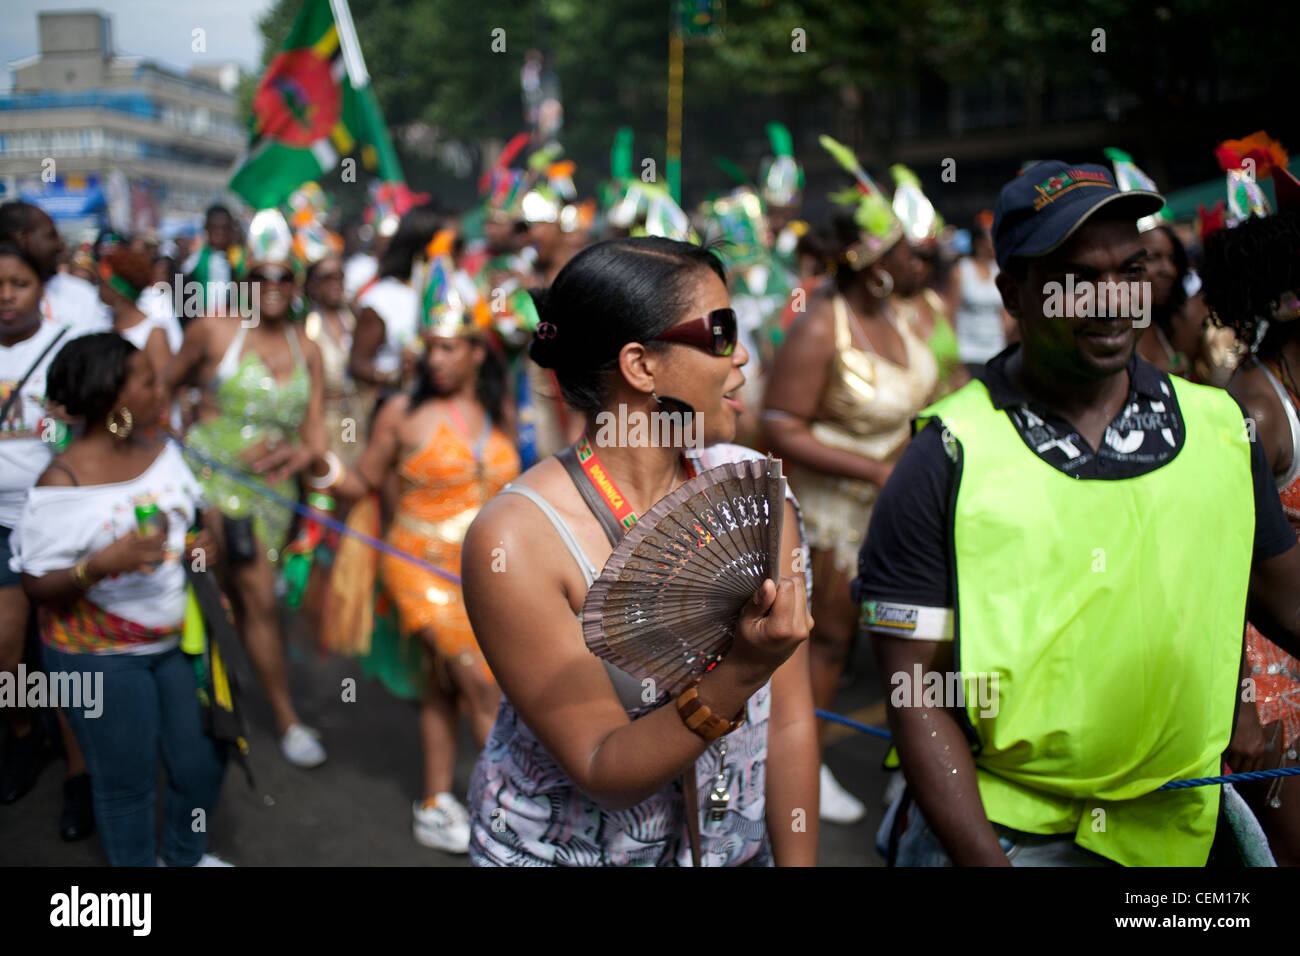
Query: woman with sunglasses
(261, 416)
(330, 324)
(582, 765)
(840, 399)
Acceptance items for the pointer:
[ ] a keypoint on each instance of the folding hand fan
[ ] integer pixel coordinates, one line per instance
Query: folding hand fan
(667, 602)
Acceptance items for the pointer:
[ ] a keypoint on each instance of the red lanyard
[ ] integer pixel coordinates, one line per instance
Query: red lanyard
(604, 484)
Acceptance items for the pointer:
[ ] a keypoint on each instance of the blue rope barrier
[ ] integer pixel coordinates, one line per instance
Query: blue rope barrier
(319, 517)
(1232, 778)
(848, 722)
(1171, 785)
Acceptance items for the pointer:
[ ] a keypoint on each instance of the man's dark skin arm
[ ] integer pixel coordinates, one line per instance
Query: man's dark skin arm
(936, 757)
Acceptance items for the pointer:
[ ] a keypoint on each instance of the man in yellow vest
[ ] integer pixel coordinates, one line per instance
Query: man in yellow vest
(1056, 573)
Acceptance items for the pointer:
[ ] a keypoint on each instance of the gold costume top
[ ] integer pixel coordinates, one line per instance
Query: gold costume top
(866, 407)
(342, 402)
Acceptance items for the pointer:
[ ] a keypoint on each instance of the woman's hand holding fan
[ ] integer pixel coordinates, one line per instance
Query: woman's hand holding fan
(695, 580)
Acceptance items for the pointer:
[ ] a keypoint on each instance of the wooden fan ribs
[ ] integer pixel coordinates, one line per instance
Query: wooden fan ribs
(667, 601)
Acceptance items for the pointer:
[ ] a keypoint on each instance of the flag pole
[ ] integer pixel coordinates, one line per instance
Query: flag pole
(389, 167)
(349, 44)
(676, 67)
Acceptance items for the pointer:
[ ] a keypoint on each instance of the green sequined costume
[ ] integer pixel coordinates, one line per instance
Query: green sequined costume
(252, 407)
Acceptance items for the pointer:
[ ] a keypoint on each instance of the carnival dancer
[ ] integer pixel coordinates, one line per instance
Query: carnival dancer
(579, 769)
(556, 224)
(443, 441)
(261, 417)
(842, 392)
(330, 324)
(101, 545)
(922, 226)
(781, 183)
(504, 268)
(760, 288)
(1252, 280)
(1071, 464)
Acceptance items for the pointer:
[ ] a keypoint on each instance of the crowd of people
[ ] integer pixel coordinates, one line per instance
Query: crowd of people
(420, 377)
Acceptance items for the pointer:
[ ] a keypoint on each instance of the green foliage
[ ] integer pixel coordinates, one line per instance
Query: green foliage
(432, 63)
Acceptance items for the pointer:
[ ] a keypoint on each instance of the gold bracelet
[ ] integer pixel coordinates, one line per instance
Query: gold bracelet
(81, 574)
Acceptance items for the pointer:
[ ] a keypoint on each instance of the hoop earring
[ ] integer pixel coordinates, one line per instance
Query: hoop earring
(884, 285)
(123, 429)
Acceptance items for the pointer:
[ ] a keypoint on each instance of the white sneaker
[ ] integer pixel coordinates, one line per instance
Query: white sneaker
(442, 826)
(301, 747)
(894, 789)
(206, 859)
(837, 804)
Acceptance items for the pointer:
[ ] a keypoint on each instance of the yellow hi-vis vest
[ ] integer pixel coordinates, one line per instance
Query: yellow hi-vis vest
(1112, 614)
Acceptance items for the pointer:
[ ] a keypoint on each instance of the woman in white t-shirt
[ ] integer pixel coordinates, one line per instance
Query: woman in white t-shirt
(28, 434)
(112, 600)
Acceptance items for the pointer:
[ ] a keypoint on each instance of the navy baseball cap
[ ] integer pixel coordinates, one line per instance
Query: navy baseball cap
(1042, 207)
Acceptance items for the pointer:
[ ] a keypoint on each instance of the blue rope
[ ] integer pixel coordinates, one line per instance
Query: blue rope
(260, 488)
(1171, 785)
(1232, 778)
(847, 722)
(319, 517)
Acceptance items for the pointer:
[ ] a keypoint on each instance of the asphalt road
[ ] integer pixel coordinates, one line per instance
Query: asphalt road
(355, 810)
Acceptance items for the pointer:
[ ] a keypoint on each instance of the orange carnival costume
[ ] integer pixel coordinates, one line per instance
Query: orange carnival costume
(443, 486)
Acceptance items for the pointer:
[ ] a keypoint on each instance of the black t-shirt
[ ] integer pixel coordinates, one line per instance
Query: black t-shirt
(903, 568)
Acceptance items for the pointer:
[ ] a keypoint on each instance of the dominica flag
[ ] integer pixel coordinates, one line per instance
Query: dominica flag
(313, 106)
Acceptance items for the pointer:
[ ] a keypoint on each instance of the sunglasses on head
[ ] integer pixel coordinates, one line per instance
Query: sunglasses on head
(271, 275)
(714, 333)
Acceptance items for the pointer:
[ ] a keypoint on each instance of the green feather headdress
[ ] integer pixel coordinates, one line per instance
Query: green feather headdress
(781, 177)
(880, 229)
(920, 221)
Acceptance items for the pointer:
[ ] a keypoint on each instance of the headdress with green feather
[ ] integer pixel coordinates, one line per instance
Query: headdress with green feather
(1128, 177)
(878, 226)
(780, 178)
(914, 210)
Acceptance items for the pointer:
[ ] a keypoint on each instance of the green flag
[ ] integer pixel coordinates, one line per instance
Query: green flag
(313, 106)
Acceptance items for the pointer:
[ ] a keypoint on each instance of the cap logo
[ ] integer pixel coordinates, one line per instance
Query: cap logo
(1053, 189)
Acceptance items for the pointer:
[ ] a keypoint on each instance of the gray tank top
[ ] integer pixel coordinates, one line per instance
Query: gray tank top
(627, 687)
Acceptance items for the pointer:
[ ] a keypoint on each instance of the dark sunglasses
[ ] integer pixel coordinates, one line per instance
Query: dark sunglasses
(327, 276)
(714, 333)
(270, 275)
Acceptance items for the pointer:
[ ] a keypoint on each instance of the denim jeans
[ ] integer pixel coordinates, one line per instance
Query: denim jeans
(919, 846)
(149, 706)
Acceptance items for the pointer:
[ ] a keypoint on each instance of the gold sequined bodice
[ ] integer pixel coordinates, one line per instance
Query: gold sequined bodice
(868, 402)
